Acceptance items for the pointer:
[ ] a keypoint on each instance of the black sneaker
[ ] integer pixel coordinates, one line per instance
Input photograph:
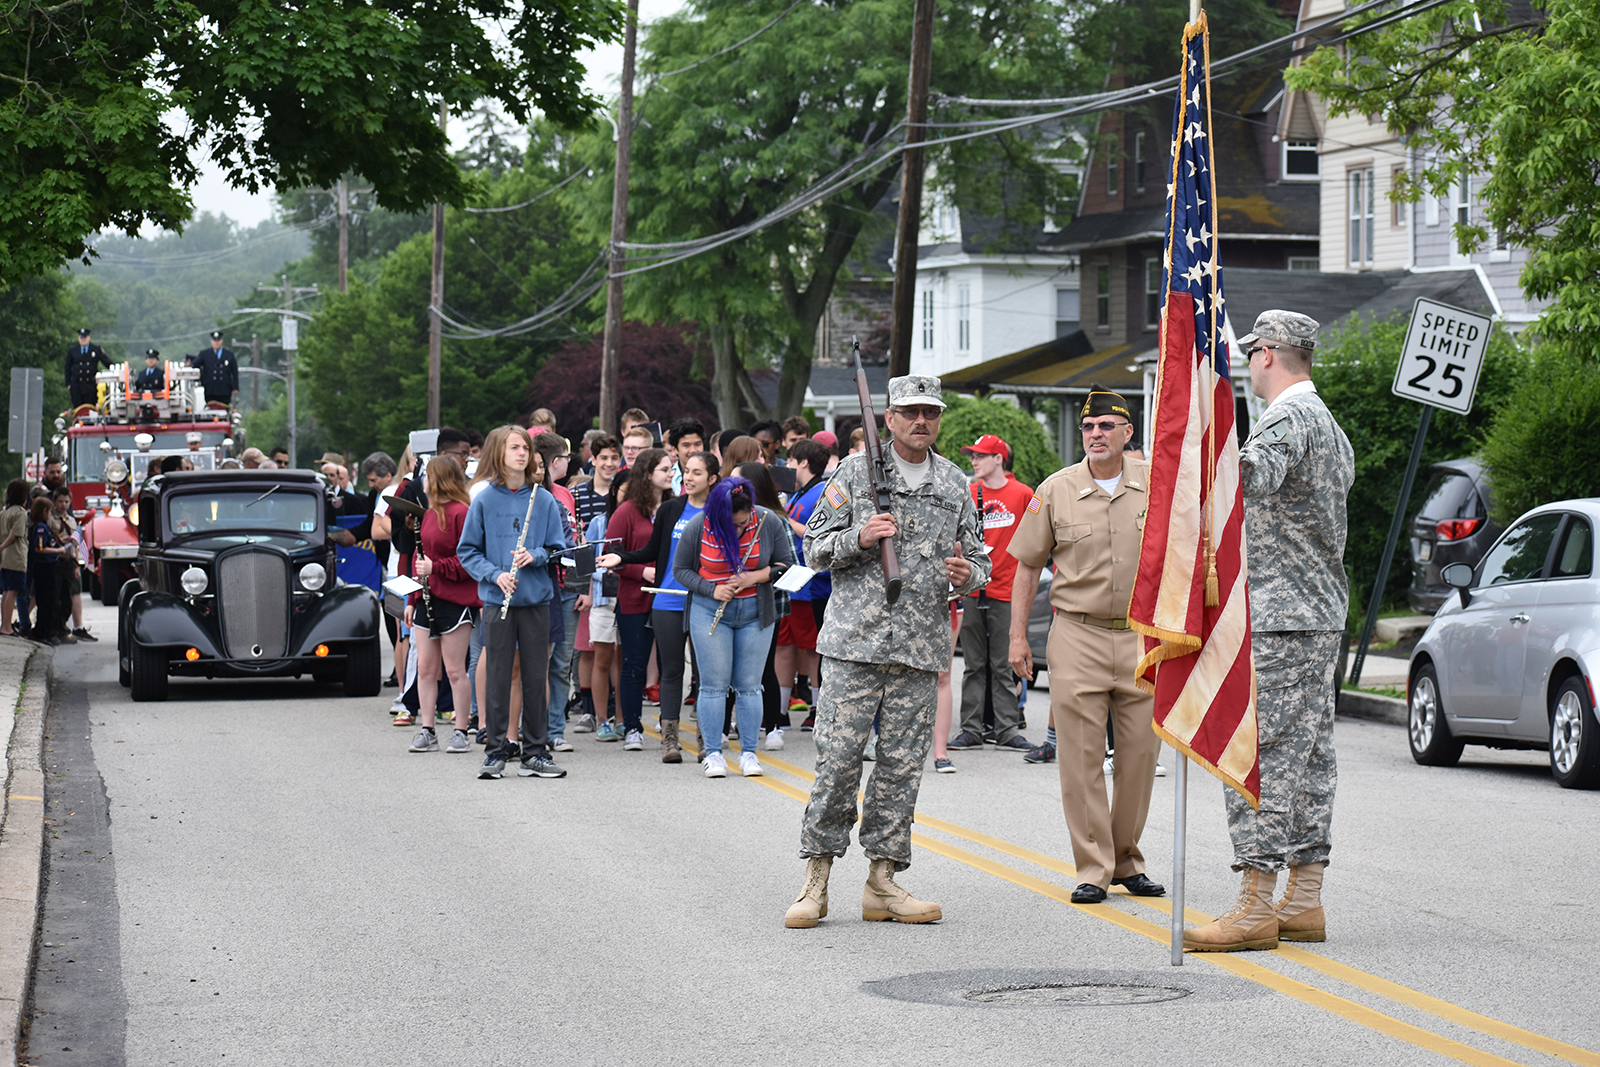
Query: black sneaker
(989, 735)
(1017, 743)
(1045, 753)
(391, 682)
(84, 635)
(539, 765)
(964, 740)
(494, 766)
(511, 751)
(810, 724)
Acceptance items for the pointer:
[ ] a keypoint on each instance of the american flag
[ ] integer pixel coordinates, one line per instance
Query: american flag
(1197, 658)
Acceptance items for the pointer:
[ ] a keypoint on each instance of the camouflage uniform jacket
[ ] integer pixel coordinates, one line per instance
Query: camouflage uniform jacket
(860, 625)
(1297, 466)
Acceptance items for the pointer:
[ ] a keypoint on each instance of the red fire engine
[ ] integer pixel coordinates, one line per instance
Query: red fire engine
(115, 444)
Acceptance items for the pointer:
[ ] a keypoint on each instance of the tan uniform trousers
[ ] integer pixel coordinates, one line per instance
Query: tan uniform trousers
(1091, 681)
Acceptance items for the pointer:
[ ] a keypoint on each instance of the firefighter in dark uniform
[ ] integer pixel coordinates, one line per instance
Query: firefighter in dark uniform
(83, 361)
(152, 379)
(219, 371)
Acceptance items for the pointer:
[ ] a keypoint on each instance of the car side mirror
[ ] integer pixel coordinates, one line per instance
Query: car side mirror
(1459, 577)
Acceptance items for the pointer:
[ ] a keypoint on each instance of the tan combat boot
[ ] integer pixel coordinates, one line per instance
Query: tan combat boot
(671, 749)
(883, 900)
(812, 903)
(1300, 916)
(1249, 924)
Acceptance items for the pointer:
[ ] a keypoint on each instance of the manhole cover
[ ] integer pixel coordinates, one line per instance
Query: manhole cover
(1072, 994)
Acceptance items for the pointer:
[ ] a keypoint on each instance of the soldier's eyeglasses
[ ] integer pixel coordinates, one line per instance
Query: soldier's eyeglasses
(928, 414)
(1104, 427)
(1262, 348)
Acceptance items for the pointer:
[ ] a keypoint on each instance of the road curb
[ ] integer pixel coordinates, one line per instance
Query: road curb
(22, 850)
(1372, 707)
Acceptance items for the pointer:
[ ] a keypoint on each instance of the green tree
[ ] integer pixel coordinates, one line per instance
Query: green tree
(38, 319)
(1354, 371)
(1512, 106)
(282, 94)
(1542, 445)
(968, 418)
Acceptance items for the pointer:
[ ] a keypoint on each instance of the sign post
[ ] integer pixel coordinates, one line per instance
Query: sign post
(25, 430)
(1439, 367)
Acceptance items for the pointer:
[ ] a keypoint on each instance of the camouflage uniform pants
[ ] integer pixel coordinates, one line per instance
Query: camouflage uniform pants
(903, 699)
(1294, 708)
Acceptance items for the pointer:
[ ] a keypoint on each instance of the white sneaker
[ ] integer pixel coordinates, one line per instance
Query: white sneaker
(561, 744)
(749, 766)
(634, 742)
(775, 741)
(716, 765)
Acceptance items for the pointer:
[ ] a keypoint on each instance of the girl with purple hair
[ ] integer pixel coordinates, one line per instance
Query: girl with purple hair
(727, 559)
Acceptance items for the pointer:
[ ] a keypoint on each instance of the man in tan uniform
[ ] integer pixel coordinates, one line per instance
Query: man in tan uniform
(1088, 518)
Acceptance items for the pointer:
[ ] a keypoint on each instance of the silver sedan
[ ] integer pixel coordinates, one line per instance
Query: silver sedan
(1508, 660)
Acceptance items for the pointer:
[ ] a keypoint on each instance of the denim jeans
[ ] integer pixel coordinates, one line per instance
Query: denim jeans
(561, 666)
(731, 658)
(634, 638)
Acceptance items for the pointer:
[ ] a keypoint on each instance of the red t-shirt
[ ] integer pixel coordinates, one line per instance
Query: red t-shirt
(1002, 513)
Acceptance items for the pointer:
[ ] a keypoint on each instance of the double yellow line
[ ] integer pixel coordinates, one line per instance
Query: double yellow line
(1237, 964)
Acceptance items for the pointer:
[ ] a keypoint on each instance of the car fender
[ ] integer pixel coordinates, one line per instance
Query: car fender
(346, 613)
(1568, 649)
(159, 619)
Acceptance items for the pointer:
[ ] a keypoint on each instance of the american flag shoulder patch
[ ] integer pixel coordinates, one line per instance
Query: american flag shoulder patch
(835, 495)
(1033, 505)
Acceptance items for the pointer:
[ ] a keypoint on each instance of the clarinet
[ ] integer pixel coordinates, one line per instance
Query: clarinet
(427, 593)
(522, 539)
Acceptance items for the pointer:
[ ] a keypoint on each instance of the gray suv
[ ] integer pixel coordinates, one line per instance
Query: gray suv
(1453, 526)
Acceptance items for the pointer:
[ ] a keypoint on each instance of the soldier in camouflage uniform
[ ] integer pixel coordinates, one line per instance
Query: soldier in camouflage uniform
(882, 662)
(1297, 467)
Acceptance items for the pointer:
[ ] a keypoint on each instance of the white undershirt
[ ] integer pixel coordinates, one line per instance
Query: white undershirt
(914, 473)
(1109, 484)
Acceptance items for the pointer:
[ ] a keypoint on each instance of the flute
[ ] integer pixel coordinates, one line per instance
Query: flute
(522, 539)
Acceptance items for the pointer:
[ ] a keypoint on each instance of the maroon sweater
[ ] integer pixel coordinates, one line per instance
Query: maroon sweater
(449, 580)
(634, 528)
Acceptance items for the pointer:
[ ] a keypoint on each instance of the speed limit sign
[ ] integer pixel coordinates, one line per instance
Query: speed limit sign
(1443, 356)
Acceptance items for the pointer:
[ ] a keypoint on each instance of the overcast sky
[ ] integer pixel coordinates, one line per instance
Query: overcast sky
(604, 66)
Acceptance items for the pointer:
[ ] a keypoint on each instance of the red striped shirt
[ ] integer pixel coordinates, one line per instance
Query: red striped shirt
(714, 566)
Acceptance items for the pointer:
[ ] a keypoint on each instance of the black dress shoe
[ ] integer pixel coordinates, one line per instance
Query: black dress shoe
(1140, 886)
(1088, 894)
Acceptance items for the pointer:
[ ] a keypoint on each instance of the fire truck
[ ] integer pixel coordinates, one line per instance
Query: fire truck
(113, 445)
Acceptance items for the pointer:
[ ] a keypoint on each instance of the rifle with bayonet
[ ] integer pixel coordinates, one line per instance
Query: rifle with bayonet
(878, 473)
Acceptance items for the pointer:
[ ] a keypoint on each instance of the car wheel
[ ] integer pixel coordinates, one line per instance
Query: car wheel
(1574, 737)
(147, 669)
(110, 586)
(362, 666)
(1432, 744)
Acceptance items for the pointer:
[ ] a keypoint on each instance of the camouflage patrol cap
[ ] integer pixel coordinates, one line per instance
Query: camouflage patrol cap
(1285, 327)
(913, 389)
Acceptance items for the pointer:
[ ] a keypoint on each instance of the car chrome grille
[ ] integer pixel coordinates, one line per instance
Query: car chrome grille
(253, 590)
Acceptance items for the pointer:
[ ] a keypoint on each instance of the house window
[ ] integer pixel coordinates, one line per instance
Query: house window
(927, 320)
(1111, 172)
(1066, 311)
(1138, 162)
(1152, 293)
(1398, 209)
(1430, 203)
(1362, 227)
(1304, 263)
(1463, 200)
(964, 318)
(1102, 296)
(1301, 161)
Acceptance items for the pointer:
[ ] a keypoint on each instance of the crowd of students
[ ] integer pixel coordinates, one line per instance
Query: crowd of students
(40, 547)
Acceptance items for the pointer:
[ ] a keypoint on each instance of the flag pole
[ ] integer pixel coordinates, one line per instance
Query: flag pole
(1180, 837)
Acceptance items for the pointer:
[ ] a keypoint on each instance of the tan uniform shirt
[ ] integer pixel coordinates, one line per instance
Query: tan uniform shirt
(1092, 537)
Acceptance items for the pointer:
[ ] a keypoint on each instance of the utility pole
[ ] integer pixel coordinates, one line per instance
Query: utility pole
(255, 361)
(344, 235)
(290, 344)
(612, 344)
(436, 308)
(905, 243)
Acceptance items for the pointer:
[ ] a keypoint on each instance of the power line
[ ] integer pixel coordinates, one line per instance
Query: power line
(515, 207)
(737, 44)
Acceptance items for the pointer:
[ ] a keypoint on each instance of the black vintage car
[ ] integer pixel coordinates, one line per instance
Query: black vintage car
(237, 579)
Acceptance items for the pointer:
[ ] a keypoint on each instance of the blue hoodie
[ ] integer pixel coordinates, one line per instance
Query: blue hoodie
(494, 522)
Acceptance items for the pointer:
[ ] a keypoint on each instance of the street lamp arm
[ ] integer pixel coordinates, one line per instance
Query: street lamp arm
(259, 370)
(281, 311)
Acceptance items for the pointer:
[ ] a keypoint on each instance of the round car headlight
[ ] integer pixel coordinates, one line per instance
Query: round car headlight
(313, 577)
(194, 581)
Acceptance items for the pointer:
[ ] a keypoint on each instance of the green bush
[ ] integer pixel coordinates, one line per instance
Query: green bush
(1543, 445)
(1354, 373)
(968, 418)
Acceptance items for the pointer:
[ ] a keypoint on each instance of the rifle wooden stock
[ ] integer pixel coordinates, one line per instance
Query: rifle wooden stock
(878, 473)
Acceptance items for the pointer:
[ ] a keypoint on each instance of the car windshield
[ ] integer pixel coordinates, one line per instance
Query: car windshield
(265, 507)
(1450, 495)
(1521, 554)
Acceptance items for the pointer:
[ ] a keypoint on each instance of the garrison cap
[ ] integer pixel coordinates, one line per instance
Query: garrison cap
(1102, 401)
(914, 389)
(1285, 327)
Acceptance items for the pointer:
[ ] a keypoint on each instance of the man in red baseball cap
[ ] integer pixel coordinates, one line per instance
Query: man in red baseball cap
(986, 620)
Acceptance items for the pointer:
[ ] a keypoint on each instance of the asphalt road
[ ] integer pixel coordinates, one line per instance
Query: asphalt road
(270, 877)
